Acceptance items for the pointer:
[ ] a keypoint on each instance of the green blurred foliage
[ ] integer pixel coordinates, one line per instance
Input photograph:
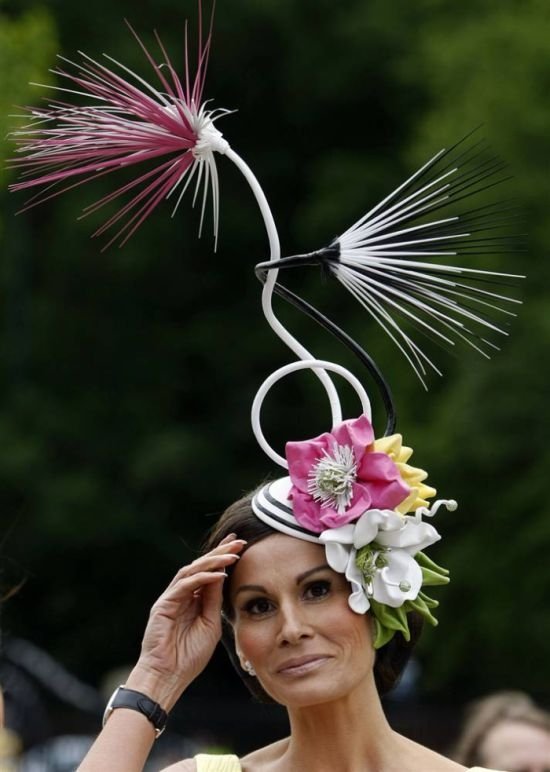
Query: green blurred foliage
(28, 45)
(493, 66)
(129, 374)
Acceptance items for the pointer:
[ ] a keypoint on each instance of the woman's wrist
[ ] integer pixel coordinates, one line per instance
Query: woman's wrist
(161, 688)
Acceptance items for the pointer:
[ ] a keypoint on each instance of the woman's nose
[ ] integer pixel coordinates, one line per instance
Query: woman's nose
(294, 624)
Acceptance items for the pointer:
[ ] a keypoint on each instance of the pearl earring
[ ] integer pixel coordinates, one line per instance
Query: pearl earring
(248, 667)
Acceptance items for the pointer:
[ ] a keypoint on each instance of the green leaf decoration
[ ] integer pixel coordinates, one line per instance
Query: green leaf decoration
(425, 562)
(382, 635)
(430, 602)
(388, 621)
(392, 618)
(431, 578)
(418, 604)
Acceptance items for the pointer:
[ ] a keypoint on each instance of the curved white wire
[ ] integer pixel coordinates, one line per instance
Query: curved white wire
(449, 504)
(267, 292)
(316, 365)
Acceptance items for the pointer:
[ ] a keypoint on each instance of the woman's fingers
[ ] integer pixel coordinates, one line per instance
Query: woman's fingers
(209, 563)
(187, 585)
(227, 545)
(205, 563)
(199, 595)
(228, 538)
(225, 554)
(211, 600)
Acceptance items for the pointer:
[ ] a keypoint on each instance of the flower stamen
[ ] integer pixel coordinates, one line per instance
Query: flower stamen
(330, 480)
(370, 559)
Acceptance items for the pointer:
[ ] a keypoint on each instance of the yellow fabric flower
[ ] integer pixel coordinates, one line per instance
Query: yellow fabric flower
(413, 477)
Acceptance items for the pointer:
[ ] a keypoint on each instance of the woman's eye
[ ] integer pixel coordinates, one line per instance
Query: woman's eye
(258, 606)
(317, 589)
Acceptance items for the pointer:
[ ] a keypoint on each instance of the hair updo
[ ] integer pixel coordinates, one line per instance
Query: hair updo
(241, 520)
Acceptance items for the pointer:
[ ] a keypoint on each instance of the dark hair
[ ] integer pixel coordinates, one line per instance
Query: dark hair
(483, 715)
(241, 520)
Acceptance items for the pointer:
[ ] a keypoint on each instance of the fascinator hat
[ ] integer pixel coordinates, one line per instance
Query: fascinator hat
(412, 261)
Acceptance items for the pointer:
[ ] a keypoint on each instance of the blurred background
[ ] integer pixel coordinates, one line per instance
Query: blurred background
(128, 375)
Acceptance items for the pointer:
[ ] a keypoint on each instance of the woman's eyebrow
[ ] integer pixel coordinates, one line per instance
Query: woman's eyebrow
(300, 578)
(251, 588)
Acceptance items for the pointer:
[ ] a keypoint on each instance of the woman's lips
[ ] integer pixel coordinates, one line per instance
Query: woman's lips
(303, 665)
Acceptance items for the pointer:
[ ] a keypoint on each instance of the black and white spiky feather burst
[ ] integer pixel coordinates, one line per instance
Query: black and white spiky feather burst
(396, 259)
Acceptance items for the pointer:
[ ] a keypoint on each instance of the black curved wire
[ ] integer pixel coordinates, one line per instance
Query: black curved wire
(366, 360)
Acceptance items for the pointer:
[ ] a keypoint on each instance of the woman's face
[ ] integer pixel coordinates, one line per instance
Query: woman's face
(292, 622)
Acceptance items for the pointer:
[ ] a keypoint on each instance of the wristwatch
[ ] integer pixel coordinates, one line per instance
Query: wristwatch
(128, 698)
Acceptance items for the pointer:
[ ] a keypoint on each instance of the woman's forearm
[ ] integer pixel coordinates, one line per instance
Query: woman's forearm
(183, 630)
(123, 745)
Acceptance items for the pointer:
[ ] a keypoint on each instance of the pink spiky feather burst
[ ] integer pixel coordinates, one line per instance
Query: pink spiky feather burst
(125, 122)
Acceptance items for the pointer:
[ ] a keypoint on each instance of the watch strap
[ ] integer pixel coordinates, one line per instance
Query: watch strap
(133, 700)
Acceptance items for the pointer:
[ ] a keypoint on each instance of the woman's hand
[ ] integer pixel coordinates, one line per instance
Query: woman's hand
(184, 626)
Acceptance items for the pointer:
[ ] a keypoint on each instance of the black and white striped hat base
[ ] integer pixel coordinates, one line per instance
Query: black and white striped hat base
(272, 505)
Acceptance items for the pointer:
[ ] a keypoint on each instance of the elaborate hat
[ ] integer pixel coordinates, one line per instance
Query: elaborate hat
(353, 492)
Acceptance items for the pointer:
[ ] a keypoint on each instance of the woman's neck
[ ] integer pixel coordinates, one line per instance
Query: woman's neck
(347, 734)
(350, 734)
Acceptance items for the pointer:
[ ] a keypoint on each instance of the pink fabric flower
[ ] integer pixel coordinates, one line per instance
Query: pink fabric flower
(337, 476)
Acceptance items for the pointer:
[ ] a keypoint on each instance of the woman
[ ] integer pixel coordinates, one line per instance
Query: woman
(325, 567)
(287, 614)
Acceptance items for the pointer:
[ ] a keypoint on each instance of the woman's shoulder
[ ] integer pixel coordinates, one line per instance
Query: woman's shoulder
(265, 755)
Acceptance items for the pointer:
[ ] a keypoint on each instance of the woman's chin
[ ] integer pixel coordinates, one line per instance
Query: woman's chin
(306, 692)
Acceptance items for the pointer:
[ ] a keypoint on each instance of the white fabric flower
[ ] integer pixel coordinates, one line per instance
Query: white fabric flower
(389, 573)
